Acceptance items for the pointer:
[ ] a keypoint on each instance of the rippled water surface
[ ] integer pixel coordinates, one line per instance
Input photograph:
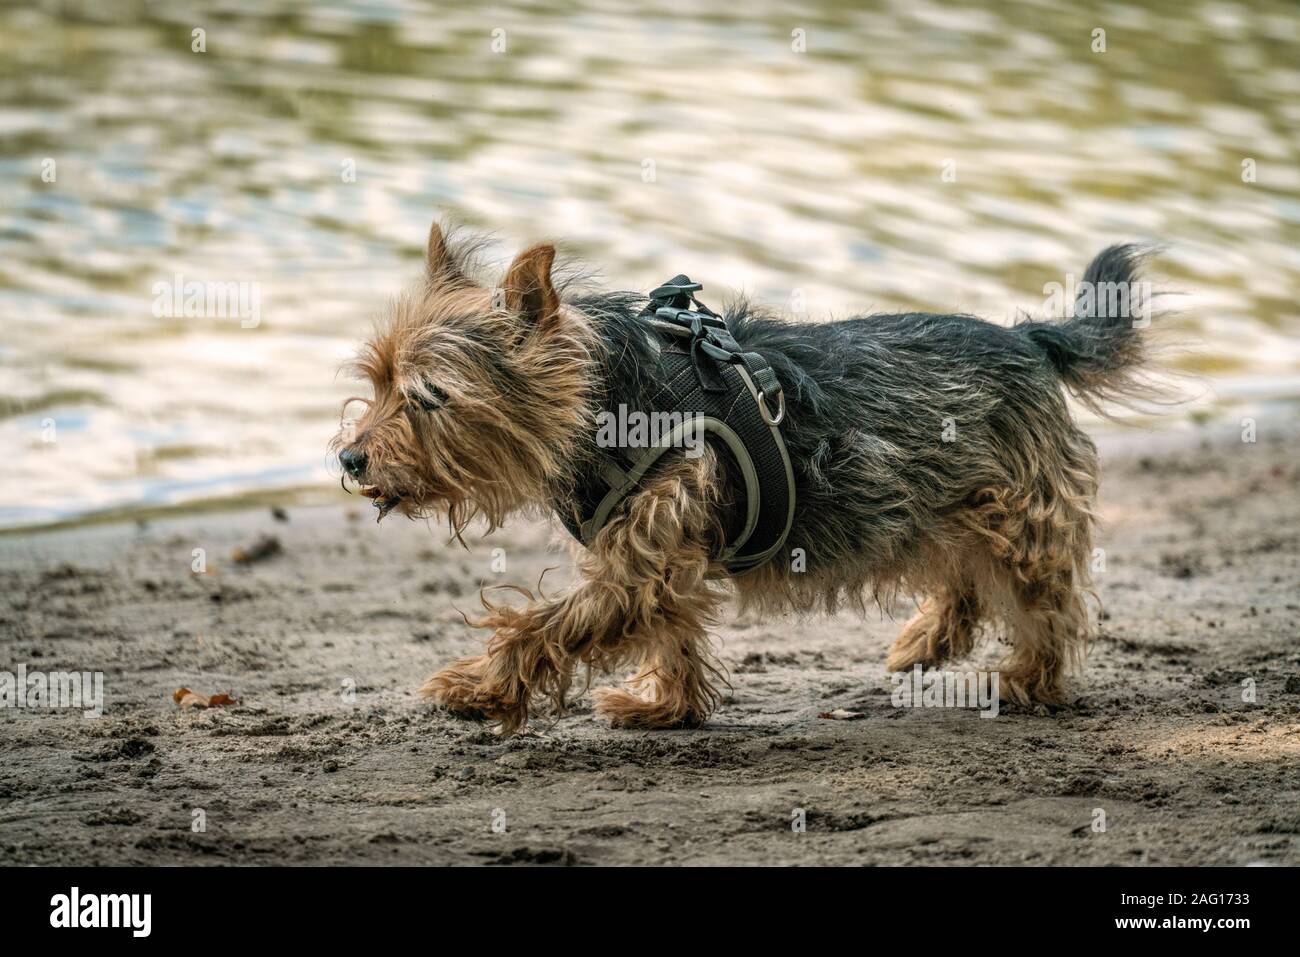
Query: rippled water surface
(912, 154)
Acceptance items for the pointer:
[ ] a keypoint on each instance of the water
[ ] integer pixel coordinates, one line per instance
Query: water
(650, 143)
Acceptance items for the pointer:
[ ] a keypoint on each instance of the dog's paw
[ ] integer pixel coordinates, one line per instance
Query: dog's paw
(1033, 689)
(929, 639)
(466, 689)
(623, 709)
(911, 648)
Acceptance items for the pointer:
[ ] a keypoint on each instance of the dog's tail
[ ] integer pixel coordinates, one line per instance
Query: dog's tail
(1102, 349)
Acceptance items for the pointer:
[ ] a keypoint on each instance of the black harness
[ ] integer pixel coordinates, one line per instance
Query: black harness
(706, 387)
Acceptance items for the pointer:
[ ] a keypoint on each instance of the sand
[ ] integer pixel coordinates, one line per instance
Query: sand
(331, 758)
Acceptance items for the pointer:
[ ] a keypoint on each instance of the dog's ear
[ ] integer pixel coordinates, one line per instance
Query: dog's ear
(528, 288)
(441, 265)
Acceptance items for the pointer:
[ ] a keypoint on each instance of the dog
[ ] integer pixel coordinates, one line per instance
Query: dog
(931, 455)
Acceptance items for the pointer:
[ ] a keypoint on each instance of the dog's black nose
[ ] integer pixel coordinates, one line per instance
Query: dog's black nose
(354, 463)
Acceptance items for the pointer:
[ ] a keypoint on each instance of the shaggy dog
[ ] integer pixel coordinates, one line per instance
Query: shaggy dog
(932, 454)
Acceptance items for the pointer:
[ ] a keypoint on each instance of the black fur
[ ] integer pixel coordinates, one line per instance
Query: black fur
(895, 419)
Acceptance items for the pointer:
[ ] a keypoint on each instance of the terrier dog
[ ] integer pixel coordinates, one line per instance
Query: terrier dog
(932, 455)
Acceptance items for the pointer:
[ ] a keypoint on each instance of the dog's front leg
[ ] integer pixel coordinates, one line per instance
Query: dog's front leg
(643, 596)
(521, 660)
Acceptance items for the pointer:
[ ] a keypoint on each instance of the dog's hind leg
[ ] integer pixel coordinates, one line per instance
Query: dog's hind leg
(1040, 540)
(944, 628)
(1048, 633)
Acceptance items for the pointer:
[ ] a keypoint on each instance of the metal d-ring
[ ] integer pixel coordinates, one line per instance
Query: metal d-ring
(780, 409)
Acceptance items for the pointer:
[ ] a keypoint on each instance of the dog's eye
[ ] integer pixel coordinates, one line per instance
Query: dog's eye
(433, 398)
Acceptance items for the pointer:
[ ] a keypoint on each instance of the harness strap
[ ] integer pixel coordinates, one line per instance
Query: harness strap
(711, 344)
(734, 396)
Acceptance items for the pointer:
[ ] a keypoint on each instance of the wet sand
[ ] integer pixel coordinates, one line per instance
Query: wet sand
(331, 758)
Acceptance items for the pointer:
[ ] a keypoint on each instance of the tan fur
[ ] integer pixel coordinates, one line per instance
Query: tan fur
(642, 598)
(496, 455)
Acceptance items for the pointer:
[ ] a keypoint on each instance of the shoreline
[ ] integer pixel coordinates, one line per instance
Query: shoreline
(1275, 409)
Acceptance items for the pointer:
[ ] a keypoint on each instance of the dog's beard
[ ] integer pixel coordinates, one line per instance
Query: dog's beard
(385, 502)
(415, 501)
(461, 500)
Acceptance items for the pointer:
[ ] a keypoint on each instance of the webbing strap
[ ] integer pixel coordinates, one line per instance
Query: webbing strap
(724, 403)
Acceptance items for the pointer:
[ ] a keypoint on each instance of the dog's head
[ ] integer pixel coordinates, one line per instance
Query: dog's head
(479, 393)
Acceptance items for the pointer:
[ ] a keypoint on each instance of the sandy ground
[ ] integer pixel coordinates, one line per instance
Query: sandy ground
(331, 758)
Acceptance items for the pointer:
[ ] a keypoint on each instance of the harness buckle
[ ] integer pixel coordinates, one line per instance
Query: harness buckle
(689, 318)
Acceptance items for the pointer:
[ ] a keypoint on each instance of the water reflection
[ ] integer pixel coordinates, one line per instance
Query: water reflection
(307, 149)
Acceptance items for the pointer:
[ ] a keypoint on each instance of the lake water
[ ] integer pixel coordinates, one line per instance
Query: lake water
(828, 158)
